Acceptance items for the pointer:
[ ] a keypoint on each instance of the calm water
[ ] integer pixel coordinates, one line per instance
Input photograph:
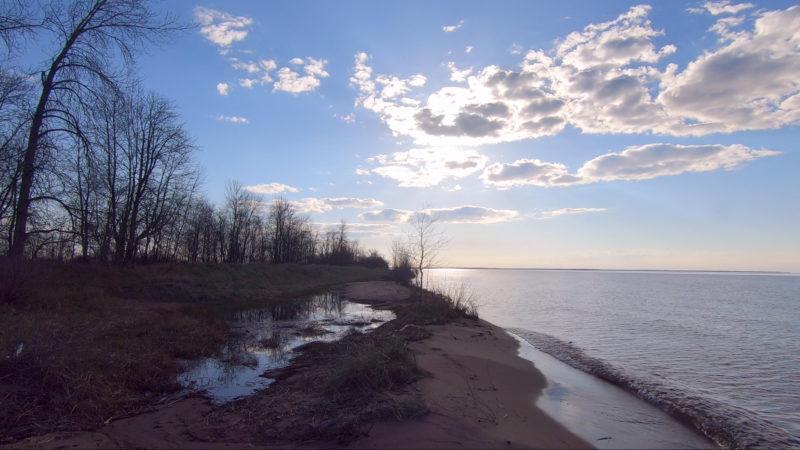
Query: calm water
(266, 339)
(718, 350)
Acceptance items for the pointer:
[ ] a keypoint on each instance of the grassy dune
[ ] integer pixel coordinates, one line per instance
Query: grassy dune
(81, 344)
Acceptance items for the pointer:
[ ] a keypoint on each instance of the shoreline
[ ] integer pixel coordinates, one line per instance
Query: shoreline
(604, 413)
(482, 389)
(478, 390)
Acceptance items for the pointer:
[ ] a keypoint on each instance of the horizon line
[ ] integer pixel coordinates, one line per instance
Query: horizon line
(779, 272)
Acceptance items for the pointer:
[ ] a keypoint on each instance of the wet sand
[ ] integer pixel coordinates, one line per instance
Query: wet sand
(480, 393)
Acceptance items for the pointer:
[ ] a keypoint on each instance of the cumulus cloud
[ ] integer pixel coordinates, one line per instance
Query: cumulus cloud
(495, 106)
(221, 28)
(457, 74)
(452, 28)
(223, 89)
(532, 172)
(233, 119)
(456, 214)
(258, 72)
(608, 77)
(751, 83)
(321, 205)
(635, 163)
(424, 167)
(270, 188)
(295, 83)
(567, 212)
(716, 8)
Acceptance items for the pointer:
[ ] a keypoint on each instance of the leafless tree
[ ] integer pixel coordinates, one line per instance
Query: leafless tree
(16, 20)
(91, 35)
(426, 242)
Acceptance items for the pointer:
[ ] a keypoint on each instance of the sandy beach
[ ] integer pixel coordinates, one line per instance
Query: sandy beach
(479, 392)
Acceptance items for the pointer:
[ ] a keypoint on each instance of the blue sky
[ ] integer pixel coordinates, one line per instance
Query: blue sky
(544, 154)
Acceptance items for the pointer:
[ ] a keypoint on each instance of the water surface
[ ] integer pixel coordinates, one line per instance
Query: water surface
(266, 339)
(718, 350)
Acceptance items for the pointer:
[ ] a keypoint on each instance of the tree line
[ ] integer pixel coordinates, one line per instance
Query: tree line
(93, 166)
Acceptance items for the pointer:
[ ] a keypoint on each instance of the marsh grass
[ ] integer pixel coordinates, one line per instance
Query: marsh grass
(335, 391)
(82, 344)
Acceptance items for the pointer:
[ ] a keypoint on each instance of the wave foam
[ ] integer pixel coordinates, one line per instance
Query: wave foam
(727, 425)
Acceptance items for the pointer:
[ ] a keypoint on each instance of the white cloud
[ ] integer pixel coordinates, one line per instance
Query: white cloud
(608, 77)
(532, 172)
(567, 212)
(259, 71)
(294, 83)
(635, 163)
(270, 188)
(423, 167)
(388, 215)
(221, 28)
(223, 89)
(233, 119)
(268, 65)
(249, 67)
(716, 8)
(321, 205)
(456, 74)
(456, 214)
(472, 214)
(452, 28)
(359, 229)
(724, 27)
(749, 84)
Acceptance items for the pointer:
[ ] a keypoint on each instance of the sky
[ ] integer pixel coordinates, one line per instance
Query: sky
(611, 135)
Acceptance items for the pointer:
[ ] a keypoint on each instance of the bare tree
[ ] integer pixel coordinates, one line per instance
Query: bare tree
(426, 242)
(15, 21)
(91, 34)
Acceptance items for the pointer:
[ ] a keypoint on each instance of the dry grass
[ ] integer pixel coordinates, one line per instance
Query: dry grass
(331, 392)
(80, 344)
(334, 392)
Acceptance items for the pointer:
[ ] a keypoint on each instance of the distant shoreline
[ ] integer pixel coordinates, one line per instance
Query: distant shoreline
(558, 269)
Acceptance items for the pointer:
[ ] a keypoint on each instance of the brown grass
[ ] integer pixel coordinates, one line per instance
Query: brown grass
(80, 343)
(331, 392)
(334, 392)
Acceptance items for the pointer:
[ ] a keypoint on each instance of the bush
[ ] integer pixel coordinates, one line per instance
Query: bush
(439, 306)
(377, 363)
(402, 275)
(374, 261)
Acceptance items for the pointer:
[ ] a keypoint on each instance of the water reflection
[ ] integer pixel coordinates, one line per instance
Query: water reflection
(266, 339)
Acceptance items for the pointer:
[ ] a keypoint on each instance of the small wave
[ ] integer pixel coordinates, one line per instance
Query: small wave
(725, 424)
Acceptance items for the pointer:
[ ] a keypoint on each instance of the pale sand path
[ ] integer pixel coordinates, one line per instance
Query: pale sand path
(481, 393)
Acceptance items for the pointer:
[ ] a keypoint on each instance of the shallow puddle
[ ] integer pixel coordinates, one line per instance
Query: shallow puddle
(266, 339)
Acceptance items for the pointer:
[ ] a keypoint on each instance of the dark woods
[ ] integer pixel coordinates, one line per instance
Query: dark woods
(93, 167)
